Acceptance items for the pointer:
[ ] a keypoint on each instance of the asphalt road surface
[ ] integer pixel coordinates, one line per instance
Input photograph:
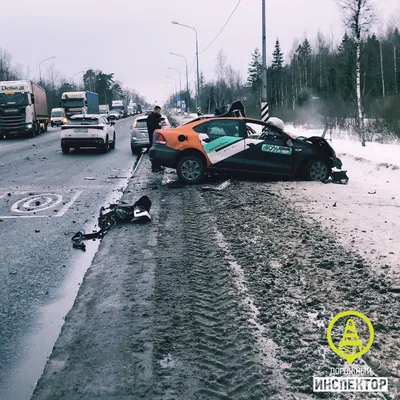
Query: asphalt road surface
(45, 197)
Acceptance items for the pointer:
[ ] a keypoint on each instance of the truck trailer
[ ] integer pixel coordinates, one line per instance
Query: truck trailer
(80, 103)
(23, 109)
(104, 109)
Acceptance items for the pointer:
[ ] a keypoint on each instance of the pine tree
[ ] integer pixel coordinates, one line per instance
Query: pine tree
(277, 60)
(277, 67)
(254, 79)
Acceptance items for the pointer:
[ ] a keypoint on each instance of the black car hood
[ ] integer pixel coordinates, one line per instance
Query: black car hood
(317, 141)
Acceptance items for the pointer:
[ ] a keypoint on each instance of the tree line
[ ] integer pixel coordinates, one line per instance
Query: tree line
(352, 85)
(105, 84)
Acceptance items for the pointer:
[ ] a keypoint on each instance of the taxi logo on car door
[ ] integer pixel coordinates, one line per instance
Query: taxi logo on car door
(270, 148)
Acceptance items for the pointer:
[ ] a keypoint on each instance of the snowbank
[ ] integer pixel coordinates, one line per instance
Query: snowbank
(375, 152)
(365, 214)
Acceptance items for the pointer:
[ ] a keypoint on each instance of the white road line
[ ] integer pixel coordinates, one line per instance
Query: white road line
(28, 200)
(69, 204)
(25, 216)
(59, 214)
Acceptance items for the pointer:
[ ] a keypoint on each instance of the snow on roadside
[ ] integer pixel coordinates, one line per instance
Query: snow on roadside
(365, 214)
(376, 152)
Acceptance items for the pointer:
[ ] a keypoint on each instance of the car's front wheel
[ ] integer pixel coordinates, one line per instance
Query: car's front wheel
(317, 170)
(191, 169)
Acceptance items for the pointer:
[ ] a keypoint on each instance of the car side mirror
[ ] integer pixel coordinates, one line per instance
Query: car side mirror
(182, 138)
(112, 123)
(33, 99)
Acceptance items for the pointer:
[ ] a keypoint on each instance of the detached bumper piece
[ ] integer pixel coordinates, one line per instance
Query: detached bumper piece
(339, 177)
(138, 212)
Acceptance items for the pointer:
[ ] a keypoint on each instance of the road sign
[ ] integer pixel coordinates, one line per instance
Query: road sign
(178, 98)
(183, 105)
(264, 111)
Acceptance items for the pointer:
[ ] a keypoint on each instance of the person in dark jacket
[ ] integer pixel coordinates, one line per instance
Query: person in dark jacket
(154, 122)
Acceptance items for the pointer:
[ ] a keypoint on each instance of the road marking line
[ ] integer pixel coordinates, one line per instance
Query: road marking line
(41, 207)
(69, 204)
(59, 214)
(25, 216)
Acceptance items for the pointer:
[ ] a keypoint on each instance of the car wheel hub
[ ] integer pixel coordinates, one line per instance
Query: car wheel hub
(190, 170)
(318, 171)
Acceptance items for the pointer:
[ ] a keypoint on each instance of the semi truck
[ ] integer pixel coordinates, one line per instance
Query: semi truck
(134, 108)
(23, 109)
(104, 109)
(80, 103)
(120, 106)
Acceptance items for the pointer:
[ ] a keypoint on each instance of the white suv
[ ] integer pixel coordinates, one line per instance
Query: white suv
(88, 131)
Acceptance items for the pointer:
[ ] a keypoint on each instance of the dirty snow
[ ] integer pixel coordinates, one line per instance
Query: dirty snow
(365, 214)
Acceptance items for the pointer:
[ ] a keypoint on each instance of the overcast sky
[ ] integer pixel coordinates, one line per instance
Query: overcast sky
(133, 38)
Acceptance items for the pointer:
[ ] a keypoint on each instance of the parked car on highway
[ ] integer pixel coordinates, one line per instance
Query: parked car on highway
(115, 114)
(139, 135)
(88, 130)
(58, 117)
(228, 141)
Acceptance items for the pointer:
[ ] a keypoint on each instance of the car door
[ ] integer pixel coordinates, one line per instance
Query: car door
(270, 152)
(223, 142)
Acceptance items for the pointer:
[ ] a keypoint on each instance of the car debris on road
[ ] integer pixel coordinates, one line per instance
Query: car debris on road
(117, 213)
(218, 188)
(337, 177)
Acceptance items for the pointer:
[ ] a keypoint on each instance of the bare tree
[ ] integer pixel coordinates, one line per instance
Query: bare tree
(381, 62)
(358, 18)
(53, 76)
(220, 67)
(394, 24)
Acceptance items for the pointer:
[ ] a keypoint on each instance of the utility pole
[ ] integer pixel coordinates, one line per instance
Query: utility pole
(197, 61)
(264, 93)
(187, 80)
(40, 65)
(198, 72)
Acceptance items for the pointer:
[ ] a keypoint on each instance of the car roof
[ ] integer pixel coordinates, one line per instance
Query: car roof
(145, 117)
(87, 116)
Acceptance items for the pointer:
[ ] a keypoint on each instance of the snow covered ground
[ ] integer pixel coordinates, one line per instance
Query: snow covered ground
(365, 214)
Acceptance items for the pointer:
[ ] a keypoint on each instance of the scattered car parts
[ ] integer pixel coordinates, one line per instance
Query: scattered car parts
(140, 211)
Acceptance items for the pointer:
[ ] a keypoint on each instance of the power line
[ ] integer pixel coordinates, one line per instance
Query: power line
(226, 23)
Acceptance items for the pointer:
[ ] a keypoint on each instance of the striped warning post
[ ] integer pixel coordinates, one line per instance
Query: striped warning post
(264, 112)
(199, 111)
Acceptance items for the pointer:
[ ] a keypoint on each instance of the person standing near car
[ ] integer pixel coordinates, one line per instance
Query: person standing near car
(154, 121)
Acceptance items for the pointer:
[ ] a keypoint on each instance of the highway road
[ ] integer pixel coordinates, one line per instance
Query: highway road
(45, 197)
